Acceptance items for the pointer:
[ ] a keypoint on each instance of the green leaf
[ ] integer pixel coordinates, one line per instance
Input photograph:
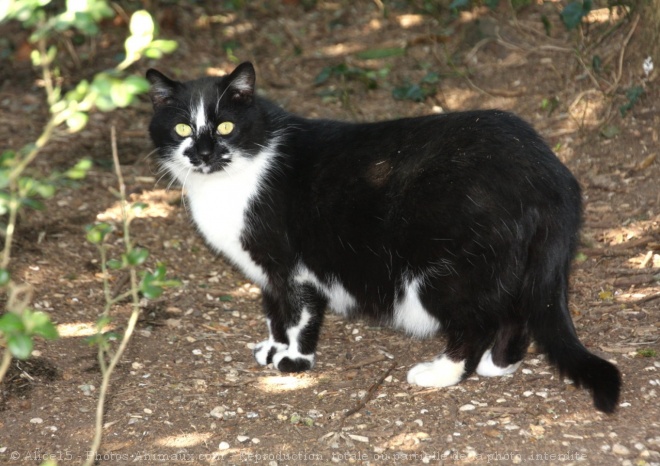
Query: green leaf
(547, 25)
(32, 203)
(412, 92)
(136, 85)
(142, 24)
(610, 131)
(41, 325)
(633, 94)
(114, 264)
(165, 46)
(139, 207)
(456, 4)
(431, 78)
(120, 94)
(20, 345)
(79, 170)
(11, 323)
(381, 53)
(324, 75)
(4, 277)
(137, 256)
(77, 121)
(151, 291)
(573, 13)
(97, 233)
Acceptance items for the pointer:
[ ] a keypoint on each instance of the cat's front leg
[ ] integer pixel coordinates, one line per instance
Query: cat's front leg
(294, 323)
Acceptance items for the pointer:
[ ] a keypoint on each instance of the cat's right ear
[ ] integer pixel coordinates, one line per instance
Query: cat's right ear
(241, 82)
(162, 88)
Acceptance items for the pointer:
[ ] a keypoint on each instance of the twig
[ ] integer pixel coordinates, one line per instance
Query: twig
(132, 321)
(647, 299)
(617, 78)
(502, 409)
(370, 394)
(369, 361)
(4, 365)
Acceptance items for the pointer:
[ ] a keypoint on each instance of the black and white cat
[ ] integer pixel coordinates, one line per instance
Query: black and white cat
(462, 223)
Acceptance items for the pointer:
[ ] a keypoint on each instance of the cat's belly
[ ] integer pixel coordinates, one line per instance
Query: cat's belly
(409, 315)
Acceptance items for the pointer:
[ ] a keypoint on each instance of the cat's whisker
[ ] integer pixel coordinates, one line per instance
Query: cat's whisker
(183, 190)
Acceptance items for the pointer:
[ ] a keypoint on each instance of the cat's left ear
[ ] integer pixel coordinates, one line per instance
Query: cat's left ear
(241, 82)
(162, 87)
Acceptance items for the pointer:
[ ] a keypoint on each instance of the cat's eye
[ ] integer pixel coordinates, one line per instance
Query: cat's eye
(225, 128)
(183, 130)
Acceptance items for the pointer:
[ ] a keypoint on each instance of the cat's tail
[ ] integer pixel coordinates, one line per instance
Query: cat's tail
(552, 327)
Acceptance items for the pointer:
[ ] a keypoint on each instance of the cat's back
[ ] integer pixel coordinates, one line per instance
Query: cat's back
(482, 153)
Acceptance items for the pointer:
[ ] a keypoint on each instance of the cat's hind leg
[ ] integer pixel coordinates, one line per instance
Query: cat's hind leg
(294, 323)
(460, 359)
(505, 356)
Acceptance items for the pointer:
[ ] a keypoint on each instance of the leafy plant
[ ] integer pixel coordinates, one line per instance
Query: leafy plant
(142, 282)
(573, 13)
(19, 188)
(417, 92)
(632, 94)
(351, 73)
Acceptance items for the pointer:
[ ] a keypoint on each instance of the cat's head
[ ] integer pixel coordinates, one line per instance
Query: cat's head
(207, 124)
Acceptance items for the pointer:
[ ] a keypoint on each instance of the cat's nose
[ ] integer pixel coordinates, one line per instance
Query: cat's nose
(205, 149)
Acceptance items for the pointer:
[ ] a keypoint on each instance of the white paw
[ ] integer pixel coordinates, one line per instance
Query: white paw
(441, 372)
(291, 360)
(487, 368)
(265, 350)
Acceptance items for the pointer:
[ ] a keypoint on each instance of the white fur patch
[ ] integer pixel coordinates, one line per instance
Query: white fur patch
(410, 315)
(293, 334)
(262, 350)
(487, 368)
(442, 372)
(219, 201)
(339, 299)
(199, 115)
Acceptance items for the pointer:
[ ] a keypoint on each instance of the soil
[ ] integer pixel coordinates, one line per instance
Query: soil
(188, 389)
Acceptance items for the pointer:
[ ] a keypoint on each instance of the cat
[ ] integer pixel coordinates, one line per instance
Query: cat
(463, 223)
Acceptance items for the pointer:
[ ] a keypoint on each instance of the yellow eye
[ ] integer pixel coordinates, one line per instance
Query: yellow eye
(183, 130)
(225, 128)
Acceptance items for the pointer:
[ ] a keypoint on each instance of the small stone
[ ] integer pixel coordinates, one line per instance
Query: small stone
(217, 412)
(147, 411)
(256, 440)
(620, 450)
(528, 393)
(223, 446)
(467, 407)
(252, 415)
(36, 420)
(242, 438)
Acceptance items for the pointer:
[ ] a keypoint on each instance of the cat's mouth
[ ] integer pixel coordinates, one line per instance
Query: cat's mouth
(207, 168)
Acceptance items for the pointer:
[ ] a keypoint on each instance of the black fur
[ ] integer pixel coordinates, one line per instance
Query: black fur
(474, 205)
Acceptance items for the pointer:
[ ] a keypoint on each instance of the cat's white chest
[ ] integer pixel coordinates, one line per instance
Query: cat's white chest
(219, 202)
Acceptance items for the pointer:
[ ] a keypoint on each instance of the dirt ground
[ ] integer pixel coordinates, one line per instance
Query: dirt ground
(188, 390)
